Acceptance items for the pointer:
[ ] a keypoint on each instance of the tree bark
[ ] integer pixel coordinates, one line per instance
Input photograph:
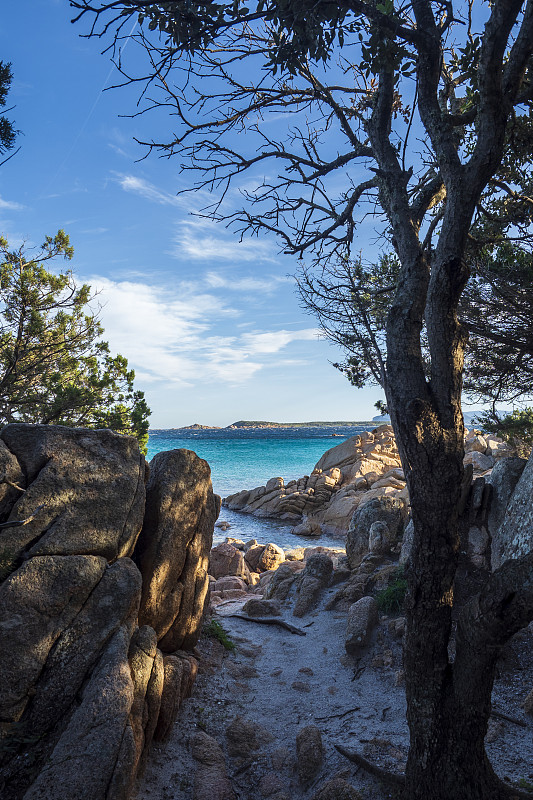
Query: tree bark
(448, 702)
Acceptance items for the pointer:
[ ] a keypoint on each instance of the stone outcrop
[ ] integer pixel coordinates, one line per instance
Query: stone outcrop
(96, 750)
(226, 559)
(85, 685)
(391, 512)
(86, 492)
(257, 607)
(309, 754)
(528, 703)
(514, 537)
(361, 582)
(362, 619)
(173, 547)
(325, 500)
(179, 670)
(12, 481)
(245, 738)
(282, 582)
(370, 494)
(337, 789)
(245, 562)
(211, 781)
(312, 581)
(503, 479)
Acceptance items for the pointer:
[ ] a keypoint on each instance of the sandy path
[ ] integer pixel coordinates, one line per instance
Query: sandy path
(283, 682)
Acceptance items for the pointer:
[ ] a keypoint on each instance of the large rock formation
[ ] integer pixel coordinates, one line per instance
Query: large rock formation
(363, 468)
(173, 547)
(83, 679)
(88, 491)
(355, 471)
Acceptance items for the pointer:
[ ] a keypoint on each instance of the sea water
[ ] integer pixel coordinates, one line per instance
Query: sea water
(244, 458)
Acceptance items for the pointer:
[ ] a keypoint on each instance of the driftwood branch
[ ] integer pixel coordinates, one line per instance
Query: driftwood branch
(271, 621)
(16, 523)
(13, 485)
(387, 777)
(339, 716)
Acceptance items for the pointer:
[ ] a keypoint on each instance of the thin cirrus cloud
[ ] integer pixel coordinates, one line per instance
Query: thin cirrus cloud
(179, 338)
(142, 187)
(188, 202)
(204, 240)
(10, 205)
(198, 239)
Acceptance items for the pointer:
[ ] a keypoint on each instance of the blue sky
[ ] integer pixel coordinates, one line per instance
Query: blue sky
(212, 327)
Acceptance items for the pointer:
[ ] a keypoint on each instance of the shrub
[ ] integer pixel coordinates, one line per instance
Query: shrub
(215, 630)
(391, 599)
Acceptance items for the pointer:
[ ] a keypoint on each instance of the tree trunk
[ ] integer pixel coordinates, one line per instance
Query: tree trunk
(448, 700)
(448, 704)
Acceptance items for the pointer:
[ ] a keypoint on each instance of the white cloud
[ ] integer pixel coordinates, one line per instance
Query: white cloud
(200, 239)
(274, 341)
(270, 284)
(131, 183)
(181, 337)
(118, 150)
(203, 240)
(10, 205)
(95, 231)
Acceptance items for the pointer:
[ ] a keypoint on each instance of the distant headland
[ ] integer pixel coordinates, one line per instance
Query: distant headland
(247, 424)
(240, 424)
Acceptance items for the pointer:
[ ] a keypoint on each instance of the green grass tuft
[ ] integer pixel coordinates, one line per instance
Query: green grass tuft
(391, 599)
(215, 630)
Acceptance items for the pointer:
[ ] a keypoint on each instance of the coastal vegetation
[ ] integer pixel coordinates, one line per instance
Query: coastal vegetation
(55, 368)
(215, 630)
(516, 428)
(352, 301)
(413, 108)
(391, 599)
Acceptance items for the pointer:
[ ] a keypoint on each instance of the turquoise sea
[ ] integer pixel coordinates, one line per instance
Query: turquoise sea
(246, 458)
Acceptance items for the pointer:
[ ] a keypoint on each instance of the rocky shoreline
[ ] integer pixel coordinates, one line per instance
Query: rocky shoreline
(316, 668)
(111, 599)
(309, 667)
(363, 468)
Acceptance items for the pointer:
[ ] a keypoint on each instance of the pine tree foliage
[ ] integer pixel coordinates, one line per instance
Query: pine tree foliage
(55, 368)
(8, 132)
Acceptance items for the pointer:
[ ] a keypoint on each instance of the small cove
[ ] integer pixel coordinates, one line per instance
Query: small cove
(246, 458)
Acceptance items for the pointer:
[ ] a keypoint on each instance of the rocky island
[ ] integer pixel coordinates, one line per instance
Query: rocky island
(260, 425)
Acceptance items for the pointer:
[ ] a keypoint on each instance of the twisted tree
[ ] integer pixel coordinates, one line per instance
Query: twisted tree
(398, 113)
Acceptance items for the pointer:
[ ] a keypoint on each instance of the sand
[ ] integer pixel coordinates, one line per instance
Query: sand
(282, 682)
